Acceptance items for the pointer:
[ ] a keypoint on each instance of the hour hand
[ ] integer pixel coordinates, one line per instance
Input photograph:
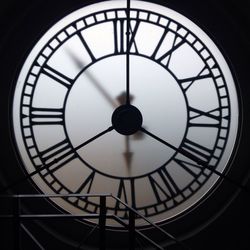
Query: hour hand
(122, 98)
(128, 154)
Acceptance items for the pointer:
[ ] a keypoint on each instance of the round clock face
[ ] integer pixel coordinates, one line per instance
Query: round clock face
(146, 115)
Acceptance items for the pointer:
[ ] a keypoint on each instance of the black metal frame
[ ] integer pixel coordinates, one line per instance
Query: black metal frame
(18, 217)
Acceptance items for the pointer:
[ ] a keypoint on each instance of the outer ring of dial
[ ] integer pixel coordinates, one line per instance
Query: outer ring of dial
(221, 41)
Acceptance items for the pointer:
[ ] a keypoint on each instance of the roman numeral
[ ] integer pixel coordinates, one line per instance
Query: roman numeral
(199, 118)
(120, 36)
(133, 31)
(186, 83)
(126, 193)
(196, 152)
(164, 187)
(46, 116)
(85, 188)
(57, 76)
(86, 185)
(122, 194)
(191, 167)
(58, 155)
(177, 42)
(87, 47)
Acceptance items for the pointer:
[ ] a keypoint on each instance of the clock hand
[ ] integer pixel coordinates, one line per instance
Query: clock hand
(96, 83)
(48, 165)
(195, 159)
(122, 98)
(128, 154)
(102, 90)
(127, 56)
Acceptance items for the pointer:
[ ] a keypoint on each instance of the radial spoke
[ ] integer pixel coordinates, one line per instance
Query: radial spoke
(46, 166)
(195, 159)
(127, 55)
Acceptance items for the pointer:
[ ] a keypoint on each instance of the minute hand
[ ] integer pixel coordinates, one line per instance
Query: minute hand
(195, 159)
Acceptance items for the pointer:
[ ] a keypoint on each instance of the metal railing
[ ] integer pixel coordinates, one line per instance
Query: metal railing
(18, 217)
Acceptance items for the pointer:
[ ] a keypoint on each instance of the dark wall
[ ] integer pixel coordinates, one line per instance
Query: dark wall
(228, 22)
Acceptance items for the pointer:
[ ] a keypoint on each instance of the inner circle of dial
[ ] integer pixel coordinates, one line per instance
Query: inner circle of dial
(99, 91)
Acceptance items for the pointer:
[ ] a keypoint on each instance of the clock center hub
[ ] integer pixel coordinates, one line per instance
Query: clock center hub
(127, 119)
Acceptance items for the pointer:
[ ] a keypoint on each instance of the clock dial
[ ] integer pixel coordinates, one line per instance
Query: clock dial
(155, 144)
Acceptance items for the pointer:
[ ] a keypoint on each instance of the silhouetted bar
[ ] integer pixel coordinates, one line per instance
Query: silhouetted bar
(131, 230)
(16, 224)
(102, 223)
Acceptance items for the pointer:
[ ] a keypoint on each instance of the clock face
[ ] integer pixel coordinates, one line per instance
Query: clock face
(161, 152)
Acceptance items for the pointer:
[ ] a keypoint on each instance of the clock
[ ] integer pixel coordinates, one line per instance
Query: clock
(133, 99)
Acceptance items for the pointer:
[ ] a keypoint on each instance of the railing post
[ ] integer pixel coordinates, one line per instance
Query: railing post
(131, 230)
(102, 223)
(16, 223)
